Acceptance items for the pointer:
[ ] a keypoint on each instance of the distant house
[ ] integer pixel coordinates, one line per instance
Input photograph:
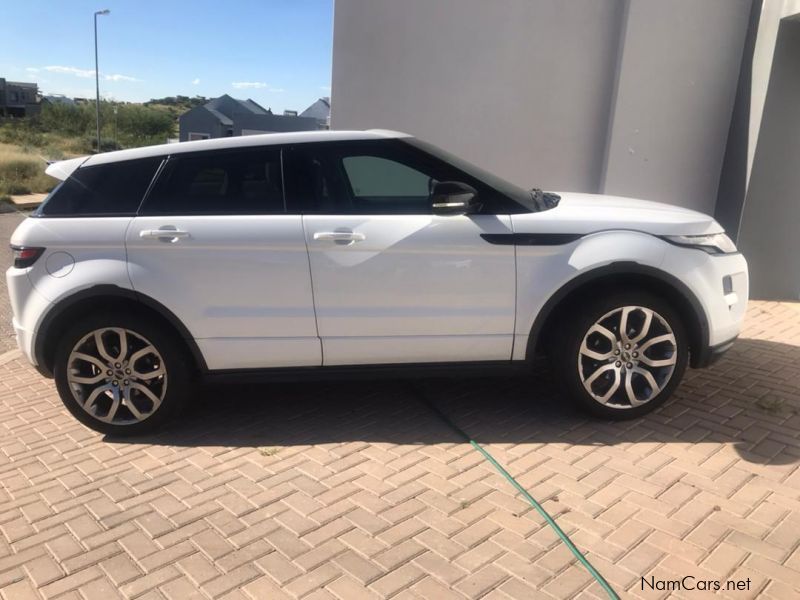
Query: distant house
(18, 99)
(226, 117)
(59, 99)
(321, 111)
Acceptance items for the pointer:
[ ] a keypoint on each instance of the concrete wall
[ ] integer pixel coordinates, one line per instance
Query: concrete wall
(771, 218)
(521, 87)
(772, 12)
(677, 82)
(588, 95)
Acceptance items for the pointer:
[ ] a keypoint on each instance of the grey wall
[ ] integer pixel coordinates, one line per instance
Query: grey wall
(771, 219)
(521, 87)
(624, 97)
(678, 73)
(198, 120)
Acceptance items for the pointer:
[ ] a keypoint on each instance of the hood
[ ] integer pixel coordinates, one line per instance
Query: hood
(588, 213)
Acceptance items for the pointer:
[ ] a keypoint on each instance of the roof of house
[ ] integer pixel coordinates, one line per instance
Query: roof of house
(222, 118)
(321, 109)
(32, 86)
(64, 168)
(59, 99)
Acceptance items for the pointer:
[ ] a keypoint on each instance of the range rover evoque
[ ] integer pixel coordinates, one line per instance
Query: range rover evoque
(370, 252)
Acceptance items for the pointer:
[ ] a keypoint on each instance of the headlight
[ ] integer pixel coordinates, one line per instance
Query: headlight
(715, 243)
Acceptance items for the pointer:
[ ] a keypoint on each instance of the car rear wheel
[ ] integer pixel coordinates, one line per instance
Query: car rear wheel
(623, 355)
(121, 374)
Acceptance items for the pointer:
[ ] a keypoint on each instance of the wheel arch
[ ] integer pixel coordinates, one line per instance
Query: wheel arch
(67, 310)
(630, 274)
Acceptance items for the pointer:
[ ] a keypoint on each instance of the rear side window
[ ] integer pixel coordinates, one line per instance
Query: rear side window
(112, 189)
(242, 182)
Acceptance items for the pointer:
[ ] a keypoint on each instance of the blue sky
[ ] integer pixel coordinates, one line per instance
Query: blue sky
(277, 52)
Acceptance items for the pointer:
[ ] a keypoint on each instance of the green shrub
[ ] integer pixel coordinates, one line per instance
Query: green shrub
(13, 188)
(17, 169)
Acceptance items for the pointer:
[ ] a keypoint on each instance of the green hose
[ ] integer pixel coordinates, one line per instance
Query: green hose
(539, 508)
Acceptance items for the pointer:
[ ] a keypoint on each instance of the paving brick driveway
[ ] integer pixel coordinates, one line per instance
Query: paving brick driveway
(359, 490)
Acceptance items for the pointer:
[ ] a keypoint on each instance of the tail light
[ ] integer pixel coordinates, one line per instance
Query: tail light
(25, 256)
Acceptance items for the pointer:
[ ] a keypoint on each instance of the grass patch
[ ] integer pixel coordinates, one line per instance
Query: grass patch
(770, 404)
(22, 172)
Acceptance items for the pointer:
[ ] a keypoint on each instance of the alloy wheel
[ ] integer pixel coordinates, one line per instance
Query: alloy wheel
(627, 357)
(117, 376)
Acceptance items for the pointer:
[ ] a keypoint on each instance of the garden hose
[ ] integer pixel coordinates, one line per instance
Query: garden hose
(539, 508)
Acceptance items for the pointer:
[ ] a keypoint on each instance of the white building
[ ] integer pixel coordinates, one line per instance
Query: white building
(682, 101)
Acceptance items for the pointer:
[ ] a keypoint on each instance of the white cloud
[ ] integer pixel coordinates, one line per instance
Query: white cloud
(32, 70)
(249, 85)
(85, 73)
(195, 81)
(325, 88)
(70, 71)
(255, 85)
(118, 77)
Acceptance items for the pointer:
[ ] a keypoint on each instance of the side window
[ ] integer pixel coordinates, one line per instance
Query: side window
(312, 186)
(382, 185)
(219, 183)
(376, 177)
(102, 190)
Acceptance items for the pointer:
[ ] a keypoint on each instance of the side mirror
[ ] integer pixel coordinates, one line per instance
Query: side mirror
(454, 198)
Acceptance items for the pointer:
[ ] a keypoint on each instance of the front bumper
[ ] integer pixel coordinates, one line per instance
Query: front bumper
(711, 354)
(720, 284)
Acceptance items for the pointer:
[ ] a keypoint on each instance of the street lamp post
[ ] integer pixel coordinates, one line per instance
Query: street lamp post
(97, 73)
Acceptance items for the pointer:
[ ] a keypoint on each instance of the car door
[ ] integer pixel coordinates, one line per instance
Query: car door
(214, 244)
(394, 283)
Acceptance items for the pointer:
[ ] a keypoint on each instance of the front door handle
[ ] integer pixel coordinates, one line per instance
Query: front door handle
(168, 233)
(339, 236)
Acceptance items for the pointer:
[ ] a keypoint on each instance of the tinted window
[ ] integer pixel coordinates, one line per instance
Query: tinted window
(374, 177)
(243, 182)
(359, 178)
(311, 184)
(111, 189)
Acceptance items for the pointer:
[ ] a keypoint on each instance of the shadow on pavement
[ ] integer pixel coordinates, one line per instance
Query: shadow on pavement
(751, 399)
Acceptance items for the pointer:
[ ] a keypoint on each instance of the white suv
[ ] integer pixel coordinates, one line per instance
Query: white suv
(300, 254)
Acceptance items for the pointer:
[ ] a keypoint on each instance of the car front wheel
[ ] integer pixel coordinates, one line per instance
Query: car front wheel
(621, 356)
(121, 374)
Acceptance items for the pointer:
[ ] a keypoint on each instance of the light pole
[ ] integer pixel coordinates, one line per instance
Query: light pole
(97, 73)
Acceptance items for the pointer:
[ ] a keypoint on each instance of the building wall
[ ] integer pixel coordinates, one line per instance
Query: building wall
(198, 120)
(768, 236)
(676, 86)
(608, 96)
(482, 81)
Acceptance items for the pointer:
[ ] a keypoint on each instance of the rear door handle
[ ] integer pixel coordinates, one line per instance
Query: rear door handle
(339, 236)
(167, 233)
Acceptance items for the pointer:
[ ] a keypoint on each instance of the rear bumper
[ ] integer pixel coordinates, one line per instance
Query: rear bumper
(19, 291)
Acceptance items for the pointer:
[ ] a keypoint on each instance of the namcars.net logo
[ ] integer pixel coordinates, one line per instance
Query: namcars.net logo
(691, 583)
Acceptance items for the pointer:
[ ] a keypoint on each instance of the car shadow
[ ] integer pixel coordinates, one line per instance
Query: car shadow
(750, 399)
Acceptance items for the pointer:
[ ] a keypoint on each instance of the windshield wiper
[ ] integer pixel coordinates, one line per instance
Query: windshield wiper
(544, 200)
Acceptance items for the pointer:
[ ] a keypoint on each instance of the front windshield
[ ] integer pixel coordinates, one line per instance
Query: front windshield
(516, 193)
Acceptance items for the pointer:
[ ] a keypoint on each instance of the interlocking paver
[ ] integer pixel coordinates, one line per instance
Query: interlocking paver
(323, 493)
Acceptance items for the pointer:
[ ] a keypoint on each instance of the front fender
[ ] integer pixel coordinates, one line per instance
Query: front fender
(547, 275)
(542, 270)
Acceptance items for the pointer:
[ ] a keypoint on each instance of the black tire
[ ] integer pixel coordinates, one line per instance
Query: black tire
(568, 336)
(176, 362)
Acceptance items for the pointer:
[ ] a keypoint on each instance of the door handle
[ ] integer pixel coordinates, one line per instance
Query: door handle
(166, 233)
(339, 236)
